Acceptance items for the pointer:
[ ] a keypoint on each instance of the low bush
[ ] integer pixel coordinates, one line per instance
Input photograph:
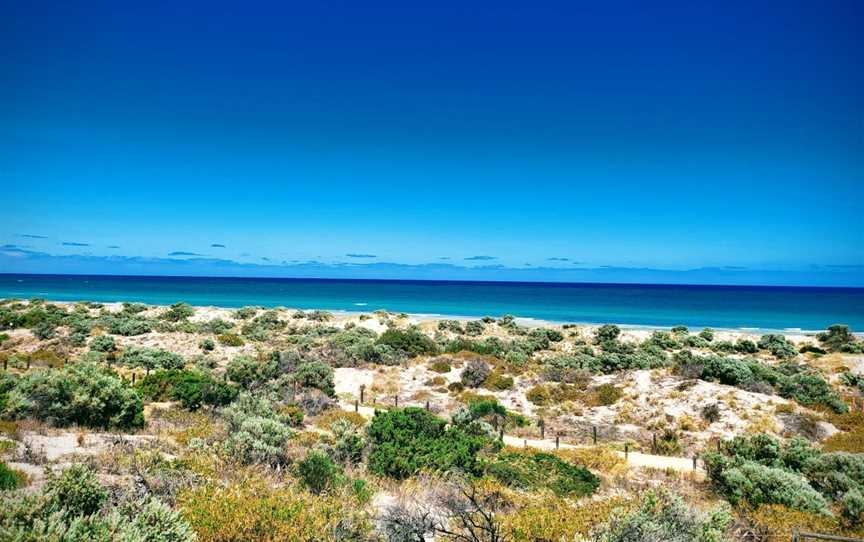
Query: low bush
(178, 312)
(80, 393)
(665, 517)
(411, 341)
(192, 389)
(249, 372)
(257, 431)
(103, 343)
(230, 339)
(498, 382)
(150, 358)
(315, 374)
(440, 365)
(476, 372)
(317, 472)
(253, 511)
(838, 338)
(73, 507)
(533, 470)
(405, 441)
(779, 346)
(10, 478)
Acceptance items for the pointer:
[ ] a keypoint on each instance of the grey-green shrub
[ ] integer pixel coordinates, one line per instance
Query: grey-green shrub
(103, 343)
(257, 432)
(80, 393)
(665, 517)
(150, 358)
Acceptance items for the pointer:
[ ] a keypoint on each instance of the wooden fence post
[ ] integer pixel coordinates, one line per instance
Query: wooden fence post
(594, 434)
(362, 391)
(356, 406)
(626, 450)
(557, 441)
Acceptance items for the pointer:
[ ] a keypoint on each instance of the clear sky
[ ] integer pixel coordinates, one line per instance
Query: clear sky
(529, 139)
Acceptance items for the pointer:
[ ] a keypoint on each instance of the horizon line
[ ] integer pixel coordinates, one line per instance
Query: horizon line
(440, 281)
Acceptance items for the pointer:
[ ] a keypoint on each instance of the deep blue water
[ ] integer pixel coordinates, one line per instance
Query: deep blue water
(650, 305)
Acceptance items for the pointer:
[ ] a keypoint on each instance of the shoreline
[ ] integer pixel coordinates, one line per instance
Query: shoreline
(521, 320)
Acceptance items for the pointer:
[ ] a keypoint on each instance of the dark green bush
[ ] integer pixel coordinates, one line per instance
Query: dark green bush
(778, 345)
(404, 441)
(103, 343)
(411, 341)
(178, 312)
(837, 338)
(10, 478)
(318, 472)
(191, 389)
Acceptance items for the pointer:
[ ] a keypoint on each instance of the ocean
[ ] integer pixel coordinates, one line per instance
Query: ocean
(734, 307)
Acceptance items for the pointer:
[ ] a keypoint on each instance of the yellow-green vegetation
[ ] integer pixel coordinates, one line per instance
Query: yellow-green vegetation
(253, 511)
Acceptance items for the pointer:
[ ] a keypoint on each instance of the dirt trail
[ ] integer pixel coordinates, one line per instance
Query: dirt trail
(634, 459)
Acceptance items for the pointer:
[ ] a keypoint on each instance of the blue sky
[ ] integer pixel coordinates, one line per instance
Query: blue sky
(487, 139)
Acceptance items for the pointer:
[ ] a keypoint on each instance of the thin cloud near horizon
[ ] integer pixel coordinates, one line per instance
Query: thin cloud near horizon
(74, 244)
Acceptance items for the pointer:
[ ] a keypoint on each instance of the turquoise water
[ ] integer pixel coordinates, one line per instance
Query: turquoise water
(629, 304)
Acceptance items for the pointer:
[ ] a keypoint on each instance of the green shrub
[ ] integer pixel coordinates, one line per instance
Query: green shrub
(707, 334)
(450, 325)
(75, 492)
(150, 358)
(217, 326)
(315, 374)
(257, 432)
(191, 389)
(178, 312)
(664, 516)
(411, 341)
(45, 330)
(317, 472)
(474, 328)
(838, 338)
(125, 326)
(404, 441)
(607, 333)
(10, 478)
(348, 443)
(207, 345)
(249, 372)
(538, 470)
(246, 312)
(79, 393)
(779, 346)
(755, 484)
(103, 343)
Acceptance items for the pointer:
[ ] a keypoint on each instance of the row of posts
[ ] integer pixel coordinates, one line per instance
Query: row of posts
(541, 423)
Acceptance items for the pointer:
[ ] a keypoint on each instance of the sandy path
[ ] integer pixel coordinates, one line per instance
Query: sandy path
(634, 459)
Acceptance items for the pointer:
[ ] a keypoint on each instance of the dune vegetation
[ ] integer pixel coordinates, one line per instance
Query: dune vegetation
(141, 423)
